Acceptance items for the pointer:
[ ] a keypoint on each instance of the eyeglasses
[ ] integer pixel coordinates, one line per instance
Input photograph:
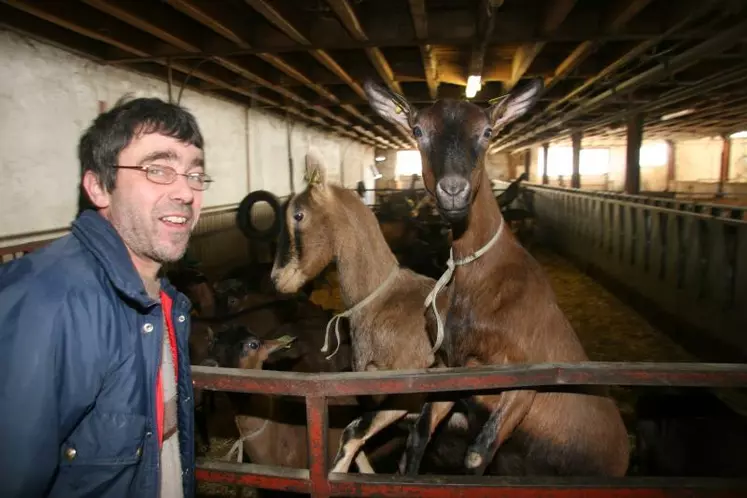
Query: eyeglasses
(165, 175)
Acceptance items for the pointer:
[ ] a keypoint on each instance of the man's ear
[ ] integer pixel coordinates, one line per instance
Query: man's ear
(515, 105)
(95, 190)
(389, 105)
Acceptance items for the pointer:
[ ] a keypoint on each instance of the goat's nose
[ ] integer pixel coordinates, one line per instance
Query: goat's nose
(452, 186)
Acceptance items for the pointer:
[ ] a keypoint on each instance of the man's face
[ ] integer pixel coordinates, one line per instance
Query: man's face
(154, 220)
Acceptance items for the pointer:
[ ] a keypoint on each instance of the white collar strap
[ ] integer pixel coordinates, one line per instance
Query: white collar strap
(451, 264)
(346, 314)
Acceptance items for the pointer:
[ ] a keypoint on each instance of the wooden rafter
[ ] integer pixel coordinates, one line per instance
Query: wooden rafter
(420, 22)
(554, 16)
(60, 16)
(620, 14)
(485, 24)
(277, 19)
(211, 22)
(349, 20)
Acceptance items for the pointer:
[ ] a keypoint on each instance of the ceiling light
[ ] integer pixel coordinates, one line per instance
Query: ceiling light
(473, 86)
(739, 134)
(379, 159)
(677, 114)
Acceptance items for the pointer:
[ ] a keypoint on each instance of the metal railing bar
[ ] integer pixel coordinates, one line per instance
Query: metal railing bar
(587, 487)
(471, 378)
(258, 476)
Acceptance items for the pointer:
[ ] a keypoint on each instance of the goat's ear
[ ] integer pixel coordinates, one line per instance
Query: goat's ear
(389, 105)
(316, 172)
(515, 104)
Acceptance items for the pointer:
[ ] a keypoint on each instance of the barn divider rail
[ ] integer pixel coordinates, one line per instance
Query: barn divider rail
(691, 265)
(693, 206)
(317, 388)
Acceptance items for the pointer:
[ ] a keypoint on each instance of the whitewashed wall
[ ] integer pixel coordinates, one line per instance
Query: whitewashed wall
(49, 96)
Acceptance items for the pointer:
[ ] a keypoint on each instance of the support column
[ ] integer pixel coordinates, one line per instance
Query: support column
(671, 166)
(633, 155)
(725, 157)
(546, 156)
(576, 176)
(528, 163)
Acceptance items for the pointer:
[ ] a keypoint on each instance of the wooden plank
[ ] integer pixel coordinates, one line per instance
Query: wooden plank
(740, 271)
(693, 280)
(718, 265)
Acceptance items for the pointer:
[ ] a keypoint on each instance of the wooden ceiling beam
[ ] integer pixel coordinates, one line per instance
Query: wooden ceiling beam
(210, 20)
(420, 22)
(345, 13)
(274, 17)
(555, 14)
(621, 13)
(58, 14)
(349, 20)
(136, 21)
(64, 21)
(485, 25)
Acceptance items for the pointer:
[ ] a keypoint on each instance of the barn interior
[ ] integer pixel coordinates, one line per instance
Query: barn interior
(631, 167)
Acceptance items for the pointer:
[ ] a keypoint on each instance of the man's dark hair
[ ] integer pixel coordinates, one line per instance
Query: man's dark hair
(113, 130)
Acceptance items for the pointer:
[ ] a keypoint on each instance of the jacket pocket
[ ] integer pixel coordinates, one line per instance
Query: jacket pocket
(105, 439)
(101, 457)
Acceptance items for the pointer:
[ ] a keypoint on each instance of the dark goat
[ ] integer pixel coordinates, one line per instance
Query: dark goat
(273, 428)
(499, 308)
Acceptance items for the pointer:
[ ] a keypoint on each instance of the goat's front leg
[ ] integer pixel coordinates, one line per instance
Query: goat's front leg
(358, 432)
(509, 409)
(420, 434)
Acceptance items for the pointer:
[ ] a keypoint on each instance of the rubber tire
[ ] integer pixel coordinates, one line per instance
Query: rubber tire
(244, 219)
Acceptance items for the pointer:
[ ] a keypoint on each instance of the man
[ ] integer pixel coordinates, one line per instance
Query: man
(95, 386)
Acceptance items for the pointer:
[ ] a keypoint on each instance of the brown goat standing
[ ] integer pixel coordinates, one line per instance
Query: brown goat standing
(328, 223)
(500, 308)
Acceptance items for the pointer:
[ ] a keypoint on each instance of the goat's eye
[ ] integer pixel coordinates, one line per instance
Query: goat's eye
(251, 345)
(298, 216)
(417, 132)
(487, 133)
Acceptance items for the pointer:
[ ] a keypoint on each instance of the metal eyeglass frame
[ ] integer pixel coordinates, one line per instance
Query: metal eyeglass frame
(171, 175)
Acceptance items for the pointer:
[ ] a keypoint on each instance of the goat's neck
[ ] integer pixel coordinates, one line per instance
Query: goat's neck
(482, 223)
(364, 260)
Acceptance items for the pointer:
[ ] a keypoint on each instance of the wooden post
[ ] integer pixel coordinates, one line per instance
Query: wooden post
(725, 156)
(632, 159)
(546, 155)
(576, 177)
(671, 168)
(528, 163)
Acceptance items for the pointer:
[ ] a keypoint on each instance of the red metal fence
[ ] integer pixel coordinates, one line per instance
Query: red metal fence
(317, 388)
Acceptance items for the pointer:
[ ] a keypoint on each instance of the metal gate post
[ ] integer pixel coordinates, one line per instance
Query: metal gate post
(316, 415)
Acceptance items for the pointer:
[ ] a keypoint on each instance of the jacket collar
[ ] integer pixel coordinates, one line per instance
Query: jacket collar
(98, 235)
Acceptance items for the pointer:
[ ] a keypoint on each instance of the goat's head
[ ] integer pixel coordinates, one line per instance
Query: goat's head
(453, 138)
(305, 244)
(236, 346)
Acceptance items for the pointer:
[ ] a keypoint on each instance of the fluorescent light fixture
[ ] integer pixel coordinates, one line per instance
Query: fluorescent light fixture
(739, 134)
(677, 114)
(473, 86)
(379, 159)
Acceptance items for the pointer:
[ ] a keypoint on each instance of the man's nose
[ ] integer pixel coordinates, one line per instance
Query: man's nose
(181, 191)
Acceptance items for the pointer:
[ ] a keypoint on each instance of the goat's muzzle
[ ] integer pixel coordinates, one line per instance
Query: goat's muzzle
(453, 197)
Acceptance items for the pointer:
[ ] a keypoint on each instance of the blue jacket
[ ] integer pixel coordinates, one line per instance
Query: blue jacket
(80, 345)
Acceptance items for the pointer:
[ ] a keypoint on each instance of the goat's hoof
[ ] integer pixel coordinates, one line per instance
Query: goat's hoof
(473, 460)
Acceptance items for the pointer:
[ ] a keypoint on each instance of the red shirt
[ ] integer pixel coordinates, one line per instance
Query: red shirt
(167, 304)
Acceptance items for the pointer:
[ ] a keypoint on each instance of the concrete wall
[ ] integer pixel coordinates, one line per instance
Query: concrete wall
(49, 96)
